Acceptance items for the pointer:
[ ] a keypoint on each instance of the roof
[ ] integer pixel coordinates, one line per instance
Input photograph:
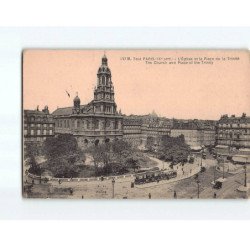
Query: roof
(222, 146)
(234, 119)
(63, 111)
(33, 112)
(68, 110)
(131, 121)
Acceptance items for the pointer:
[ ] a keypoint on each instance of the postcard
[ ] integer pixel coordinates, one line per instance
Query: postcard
(135, 124)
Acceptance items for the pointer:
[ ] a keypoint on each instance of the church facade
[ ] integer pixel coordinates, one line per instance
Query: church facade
(96, 122)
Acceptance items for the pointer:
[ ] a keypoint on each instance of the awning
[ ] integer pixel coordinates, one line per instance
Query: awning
(222, 146)
(241, 158)
(196, 148)
(244, 150)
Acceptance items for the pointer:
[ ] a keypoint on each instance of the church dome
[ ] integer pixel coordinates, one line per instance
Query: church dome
(104, 66)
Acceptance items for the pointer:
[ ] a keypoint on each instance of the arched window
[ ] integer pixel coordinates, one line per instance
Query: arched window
(103, 80)
(88, 125)
(97, 124)
(116, 124)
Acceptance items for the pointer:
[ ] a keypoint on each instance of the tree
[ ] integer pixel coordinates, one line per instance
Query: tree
(101, 154)
(61, 167)
(121, 150)
(150, 143)
(31, 151)
(174, 149)
(62, 153)
(132, 162)
(60, 145)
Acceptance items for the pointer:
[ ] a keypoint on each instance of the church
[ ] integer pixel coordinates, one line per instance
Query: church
(95, 122)
(99, 121)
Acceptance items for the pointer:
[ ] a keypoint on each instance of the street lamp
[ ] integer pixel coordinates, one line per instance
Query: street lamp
(198, 185)
(214, 172)
(113, 185)
(223, 167)
(245, 168)
(201, 156)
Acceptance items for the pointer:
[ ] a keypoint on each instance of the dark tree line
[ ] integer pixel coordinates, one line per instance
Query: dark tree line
(115, 157)
(62, 153)
(173, 149)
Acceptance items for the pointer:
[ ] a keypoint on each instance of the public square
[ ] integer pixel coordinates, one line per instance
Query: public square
(184, 186)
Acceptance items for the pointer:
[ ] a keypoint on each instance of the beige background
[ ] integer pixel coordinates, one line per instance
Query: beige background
(180, 91)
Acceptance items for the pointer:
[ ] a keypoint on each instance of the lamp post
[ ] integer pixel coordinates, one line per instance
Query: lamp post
(201, 156)
(223, 167)
(113, 186)
(245, 168)
(198, 185)
(214, 172)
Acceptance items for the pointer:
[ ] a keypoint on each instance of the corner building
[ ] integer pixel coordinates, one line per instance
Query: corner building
(96, 122)
(233, 131)
(37, 126)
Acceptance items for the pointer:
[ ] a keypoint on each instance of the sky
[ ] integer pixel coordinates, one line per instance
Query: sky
(218, 82)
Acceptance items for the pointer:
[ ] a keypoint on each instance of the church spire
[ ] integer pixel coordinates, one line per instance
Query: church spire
(104, 91)
(104, 60)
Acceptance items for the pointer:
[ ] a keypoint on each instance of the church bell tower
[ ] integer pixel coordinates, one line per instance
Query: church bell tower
(104, 101)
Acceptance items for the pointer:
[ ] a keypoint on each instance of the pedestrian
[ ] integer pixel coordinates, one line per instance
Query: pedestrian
(175, 195)
(215, 195)
(82, 196)
(149, 195)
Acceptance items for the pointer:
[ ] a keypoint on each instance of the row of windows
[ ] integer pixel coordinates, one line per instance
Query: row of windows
(38, 132)
(104, 80)
(234, 136)
(35, 139)
(234, 131)
(233, 125)
(77, 124)
(32, 119)
(40, 125)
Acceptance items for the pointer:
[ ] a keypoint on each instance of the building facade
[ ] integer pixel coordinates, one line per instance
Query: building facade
(96, 122)
(137, 129)
(37, 125)
(233, 131)
(197, 133)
